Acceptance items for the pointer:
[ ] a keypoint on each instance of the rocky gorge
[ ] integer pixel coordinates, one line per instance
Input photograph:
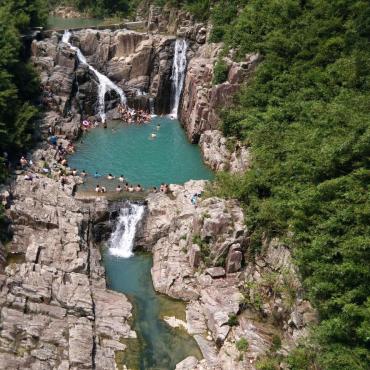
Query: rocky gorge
(56, 312)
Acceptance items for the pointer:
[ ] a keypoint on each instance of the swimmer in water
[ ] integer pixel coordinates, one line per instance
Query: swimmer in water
(158, 127)
(153, 135)
(97, 174)
(110, 177)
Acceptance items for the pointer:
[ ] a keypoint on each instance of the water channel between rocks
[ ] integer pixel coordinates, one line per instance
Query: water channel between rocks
(169, 157)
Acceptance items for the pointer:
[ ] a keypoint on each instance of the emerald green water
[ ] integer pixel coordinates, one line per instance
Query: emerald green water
(130, 150)
(70, 23)
(158, 346)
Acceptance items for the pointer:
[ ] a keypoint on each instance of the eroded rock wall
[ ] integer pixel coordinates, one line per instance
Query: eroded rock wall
(202, 100)
(201, 254)
(55, 310)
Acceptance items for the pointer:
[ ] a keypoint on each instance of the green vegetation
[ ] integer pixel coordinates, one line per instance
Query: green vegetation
(220, 72)
(19, 85)
(242, 345)
(306, 115)
(233, 320)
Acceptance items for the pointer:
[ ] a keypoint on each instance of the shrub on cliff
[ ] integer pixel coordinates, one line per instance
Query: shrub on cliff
(220, 72)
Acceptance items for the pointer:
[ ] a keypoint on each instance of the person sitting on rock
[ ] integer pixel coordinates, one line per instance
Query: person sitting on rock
(74, 172)
(121, 178)
(83, 173)
(130, 189)
(97, 189)
(118, 189)
(138, 188)
(103, 189)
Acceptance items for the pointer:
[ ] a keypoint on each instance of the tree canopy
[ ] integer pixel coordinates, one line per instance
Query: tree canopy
(306, 117)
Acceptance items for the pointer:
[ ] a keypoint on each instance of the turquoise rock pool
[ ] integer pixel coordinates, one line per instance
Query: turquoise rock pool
(158, 346)
(131, 151)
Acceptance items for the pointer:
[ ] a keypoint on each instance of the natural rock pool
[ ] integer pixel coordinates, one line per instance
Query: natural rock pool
(66, 23)
(129, 150)
(158, 345)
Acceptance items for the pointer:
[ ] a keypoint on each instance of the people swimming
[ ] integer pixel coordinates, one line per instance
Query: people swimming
(110, 177)
(97, 174)
(153, 135)
(131, 116)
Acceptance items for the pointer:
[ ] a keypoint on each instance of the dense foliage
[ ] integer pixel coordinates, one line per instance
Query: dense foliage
(306, 116)
(19, 86)
(18, 82)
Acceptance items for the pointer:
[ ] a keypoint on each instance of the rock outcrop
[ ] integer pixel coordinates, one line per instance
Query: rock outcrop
(201, 255)
(55, 310)
(201, 98)
(222, 154)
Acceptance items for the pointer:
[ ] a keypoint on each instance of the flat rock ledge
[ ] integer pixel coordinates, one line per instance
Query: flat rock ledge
(55, 310)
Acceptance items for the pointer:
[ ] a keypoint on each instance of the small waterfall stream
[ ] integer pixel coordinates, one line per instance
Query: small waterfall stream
(121, 242)
(178, 75)
(105, 84)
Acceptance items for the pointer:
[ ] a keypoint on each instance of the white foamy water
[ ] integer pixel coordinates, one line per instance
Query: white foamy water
(121, 242)
(105, 84)
(178, 74)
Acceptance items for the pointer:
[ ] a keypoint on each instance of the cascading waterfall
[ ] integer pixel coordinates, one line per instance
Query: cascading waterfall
(178, 74)
(152, 108)
(105, 84)
(121, 242)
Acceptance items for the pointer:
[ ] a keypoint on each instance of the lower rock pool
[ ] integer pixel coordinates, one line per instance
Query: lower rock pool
(149, 155)
(158, 346)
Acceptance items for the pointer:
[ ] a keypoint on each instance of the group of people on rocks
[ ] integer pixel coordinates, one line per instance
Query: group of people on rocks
(124, 187)
(132, 116)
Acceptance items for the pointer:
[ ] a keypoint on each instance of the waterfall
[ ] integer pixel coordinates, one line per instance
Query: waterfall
(178, 75)
(151, 105)
(105, 84)
(121, 242)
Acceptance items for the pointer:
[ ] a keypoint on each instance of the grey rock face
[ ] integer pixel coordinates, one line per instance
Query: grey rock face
(223, 156)
(55, 312)
(199, 255)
